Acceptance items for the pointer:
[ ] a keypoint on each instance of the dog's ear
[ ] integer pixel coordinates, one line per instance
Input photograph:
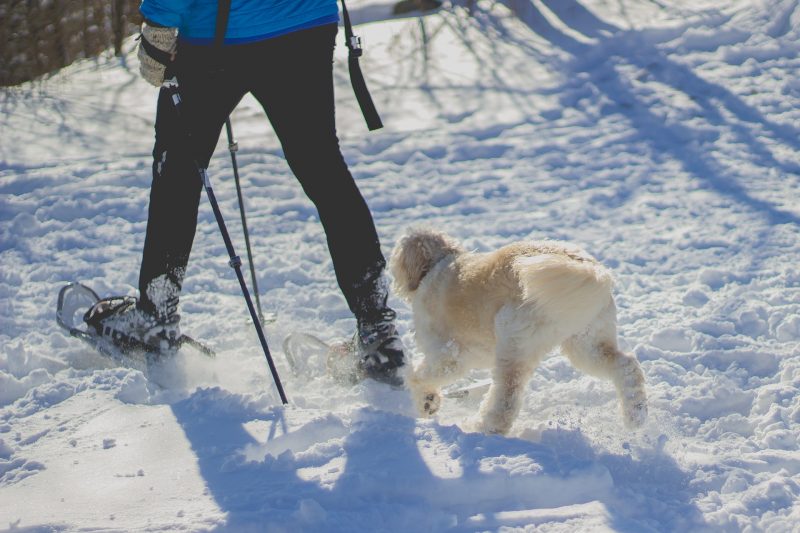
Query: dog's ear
(407, 265)
(414, 255)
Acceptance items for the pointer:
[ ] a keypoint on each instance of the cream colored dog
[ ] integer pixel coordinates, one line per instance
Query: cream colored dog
(506, 310)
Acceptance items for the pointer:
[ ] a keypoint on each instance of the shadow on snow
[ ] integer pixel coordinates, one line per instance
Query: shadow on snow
(385, 484)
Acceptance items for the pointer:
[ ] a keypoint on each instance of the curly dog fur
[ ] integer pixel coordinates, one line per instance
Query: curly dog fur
(506, 310)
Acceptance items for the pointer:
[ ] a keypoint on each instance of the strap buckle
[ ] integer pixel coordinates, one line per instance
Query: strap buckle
(355, 47)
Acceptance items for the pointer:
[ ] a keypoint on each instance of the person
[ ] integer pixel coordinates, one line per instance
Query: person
(281, 53)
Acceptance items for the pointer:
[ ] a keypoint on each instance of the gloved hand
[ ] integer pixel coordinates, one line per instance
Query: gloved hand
(154, 57)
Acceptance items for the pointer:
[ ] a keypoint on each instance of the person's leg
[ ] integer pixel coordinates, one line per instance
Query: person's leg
(295, 87)
(207, 99)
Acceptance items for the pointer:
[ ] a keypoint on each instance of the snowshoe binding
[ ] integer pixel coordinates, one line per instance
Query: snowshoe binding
(119, 320)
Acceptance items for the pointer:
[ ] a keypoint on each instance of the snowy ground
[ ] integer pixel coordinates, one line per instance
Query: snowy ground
(660, 135)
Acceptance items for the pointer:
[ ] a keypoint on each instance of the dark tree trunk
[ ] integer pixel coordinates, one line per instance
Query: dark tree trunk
(39, 36)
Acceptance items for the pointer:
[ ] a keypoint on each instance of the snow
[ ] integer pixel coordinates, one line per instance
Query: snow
(660, 136)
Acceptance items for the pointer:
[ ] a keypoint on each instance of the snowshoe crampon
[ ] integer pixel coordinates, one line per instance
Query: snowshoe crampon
(75, 300)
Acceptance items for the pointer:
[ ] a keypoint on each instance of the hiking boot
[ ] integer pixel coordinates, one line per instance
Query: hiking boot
(120, 320)
(379, 349)
(377, 345)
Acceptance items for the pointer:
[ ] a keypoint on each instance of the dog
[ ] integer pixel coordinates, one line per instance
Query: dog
(506, 310)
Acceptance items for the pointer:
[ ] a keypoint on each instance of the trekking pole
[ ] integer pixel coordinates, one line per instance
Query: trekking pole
(235, 261)
(233, 147)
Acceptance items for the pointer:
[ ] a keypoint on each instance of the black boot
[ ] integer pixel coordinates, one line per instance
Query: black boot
(379, 348)
(122, 321)
(377, 342)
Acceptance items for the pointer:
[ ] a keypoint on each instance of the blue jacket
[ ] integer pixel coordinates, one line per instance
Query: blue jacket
(250, 20)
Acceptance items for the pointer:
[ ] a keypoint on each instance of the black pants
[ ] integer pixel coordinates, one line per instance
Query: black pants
(292, 78)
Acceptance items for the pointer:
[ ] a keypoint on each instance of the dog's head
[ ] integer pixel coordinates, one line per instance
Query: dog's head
(415, 254)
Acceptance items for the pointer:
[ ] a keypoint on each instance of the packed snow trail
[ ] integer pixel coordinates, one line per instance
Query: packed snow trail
(659, 136)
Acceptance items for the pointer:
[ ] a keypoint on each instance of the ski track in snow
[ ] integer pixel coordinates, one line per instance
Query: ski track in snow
(660, 136)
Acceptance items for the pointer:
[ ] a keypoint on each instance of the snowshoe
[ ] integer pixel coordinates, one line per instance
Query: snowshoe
(467, 388)
(115, 328)
(310, 357)
(374, 352)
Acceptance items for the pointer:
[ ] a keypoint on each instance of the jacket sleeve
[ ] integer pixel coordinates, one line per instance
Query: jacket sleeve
(165, 12)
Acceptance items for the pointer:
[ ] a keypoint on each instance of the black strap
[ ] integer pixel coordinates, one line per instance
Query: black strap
(223, 12)
(353, 43)
(165, 58)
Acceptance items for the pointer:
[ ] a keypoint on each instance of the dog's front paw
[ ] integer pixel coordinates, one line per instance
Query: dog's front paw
(426, 399)
(431, 403)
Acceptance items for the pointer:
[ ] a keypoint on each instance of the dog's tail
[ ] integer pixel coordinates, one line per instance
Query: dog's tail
(567, 291)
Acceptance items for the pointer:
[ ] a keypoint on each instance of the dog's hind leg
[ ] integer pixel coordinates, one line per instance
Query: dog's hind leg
(518, 353)
(504, 399)
(595, 352)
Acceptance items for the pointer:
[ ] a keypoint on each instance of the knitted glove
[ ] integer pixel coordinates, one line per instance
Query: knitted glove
(164, 39)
